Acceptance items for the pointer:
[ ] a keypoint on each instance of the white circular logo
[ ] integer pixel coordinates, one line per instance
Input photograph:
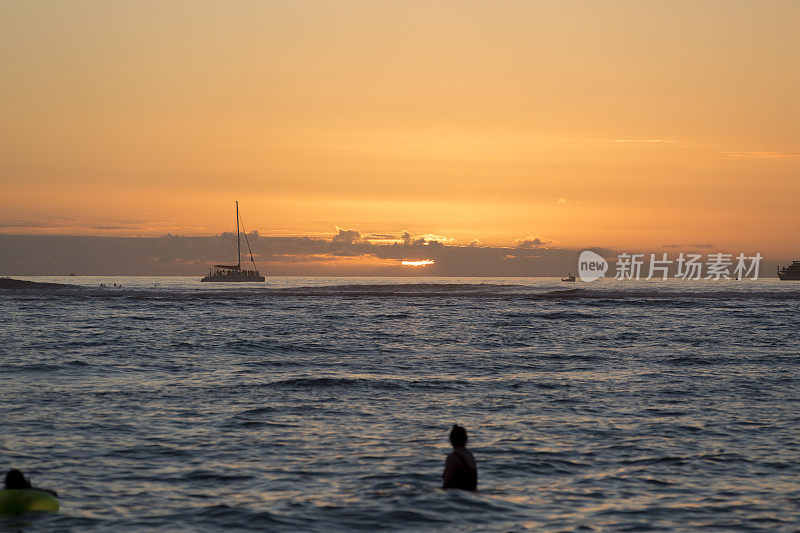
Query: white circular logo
(591, 266)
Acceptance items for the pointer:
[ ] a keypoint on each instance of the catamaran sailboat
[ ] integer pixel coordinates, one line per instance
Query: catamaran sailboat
(232, 273)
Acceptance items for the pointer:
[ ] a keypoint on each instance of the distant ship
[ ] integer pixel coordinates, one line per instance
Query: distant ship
(234, 273)
(570, 278)
(792, 272)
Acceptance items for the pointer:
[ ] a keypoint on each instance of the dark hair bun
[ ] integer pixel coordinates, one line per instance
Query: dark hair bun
(458, 436)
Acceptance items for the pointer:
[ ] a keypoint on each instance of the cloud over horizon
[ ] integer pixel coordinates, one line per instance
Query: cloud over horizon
(347, 252)
(532, 242)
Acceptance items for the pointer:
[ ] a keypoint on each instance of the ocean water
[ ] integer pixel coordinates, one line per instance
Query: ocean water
(323, 404)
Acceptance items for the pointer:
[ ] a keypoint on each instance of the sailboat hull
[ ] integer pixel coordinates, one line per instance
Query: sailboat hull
(233, 279)
(234, 273)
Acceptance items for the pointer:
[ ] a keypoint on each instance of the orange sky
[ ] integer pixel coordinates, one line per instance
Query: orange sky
(622, 124)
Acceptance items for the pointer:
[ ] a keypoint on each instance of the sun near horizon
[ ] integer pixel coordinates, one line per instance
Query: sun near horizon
(619, 124)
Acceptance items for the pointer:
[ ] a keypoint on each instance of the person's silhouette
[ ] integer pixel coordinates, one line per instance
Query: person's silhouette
(460, 470)
(16, 480)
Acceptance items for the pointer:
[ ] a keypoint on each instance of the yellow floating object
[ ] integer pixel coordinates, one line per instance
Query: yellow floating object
(17, 501)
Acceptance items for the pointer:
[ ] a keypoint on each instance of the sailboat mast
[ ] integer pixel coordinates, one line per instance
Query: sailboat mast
(238, 238)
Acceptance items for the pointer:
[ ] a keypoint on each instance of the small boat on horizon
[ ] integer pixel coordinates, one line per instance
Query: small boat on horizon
(570, 278)
(790, 273)
(234, 273)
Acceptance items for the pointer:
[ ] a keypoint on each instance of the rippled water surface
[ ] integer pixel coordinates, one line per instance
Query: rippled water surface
(324, 404)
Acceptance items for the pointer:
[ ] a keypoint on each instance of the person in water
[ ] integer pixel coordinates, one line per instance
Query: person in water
(15, 480)
(460, 470)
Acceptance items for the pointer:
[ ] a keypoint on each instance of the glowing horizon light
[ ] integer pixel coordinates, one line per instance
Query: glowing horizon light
(423, 262)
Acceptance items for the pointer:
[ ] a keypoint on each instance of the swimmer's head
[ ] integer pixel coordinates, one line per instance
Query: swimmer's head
(15, 480)
(458, 436)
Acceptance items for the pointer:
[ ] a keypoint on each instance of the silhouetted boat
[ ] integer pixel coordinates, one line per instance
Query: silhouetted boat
(570, 278)
(790, 273)
(234, 273)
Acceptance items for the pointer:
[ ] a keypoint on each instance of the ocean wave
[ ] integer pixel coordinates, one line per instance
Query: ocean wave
(42, 367)
(555, 315)
(666, 294)
(170, 297)
(217, 517)
(337, 382)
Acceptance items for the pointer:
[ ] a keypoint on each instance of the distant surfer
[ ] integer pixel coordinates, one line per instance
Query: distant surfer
(460, 470)
(15, 480)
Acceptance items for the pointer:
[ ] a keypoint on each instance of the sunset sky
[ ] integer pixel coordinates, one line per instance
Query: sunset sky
(615, 124)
